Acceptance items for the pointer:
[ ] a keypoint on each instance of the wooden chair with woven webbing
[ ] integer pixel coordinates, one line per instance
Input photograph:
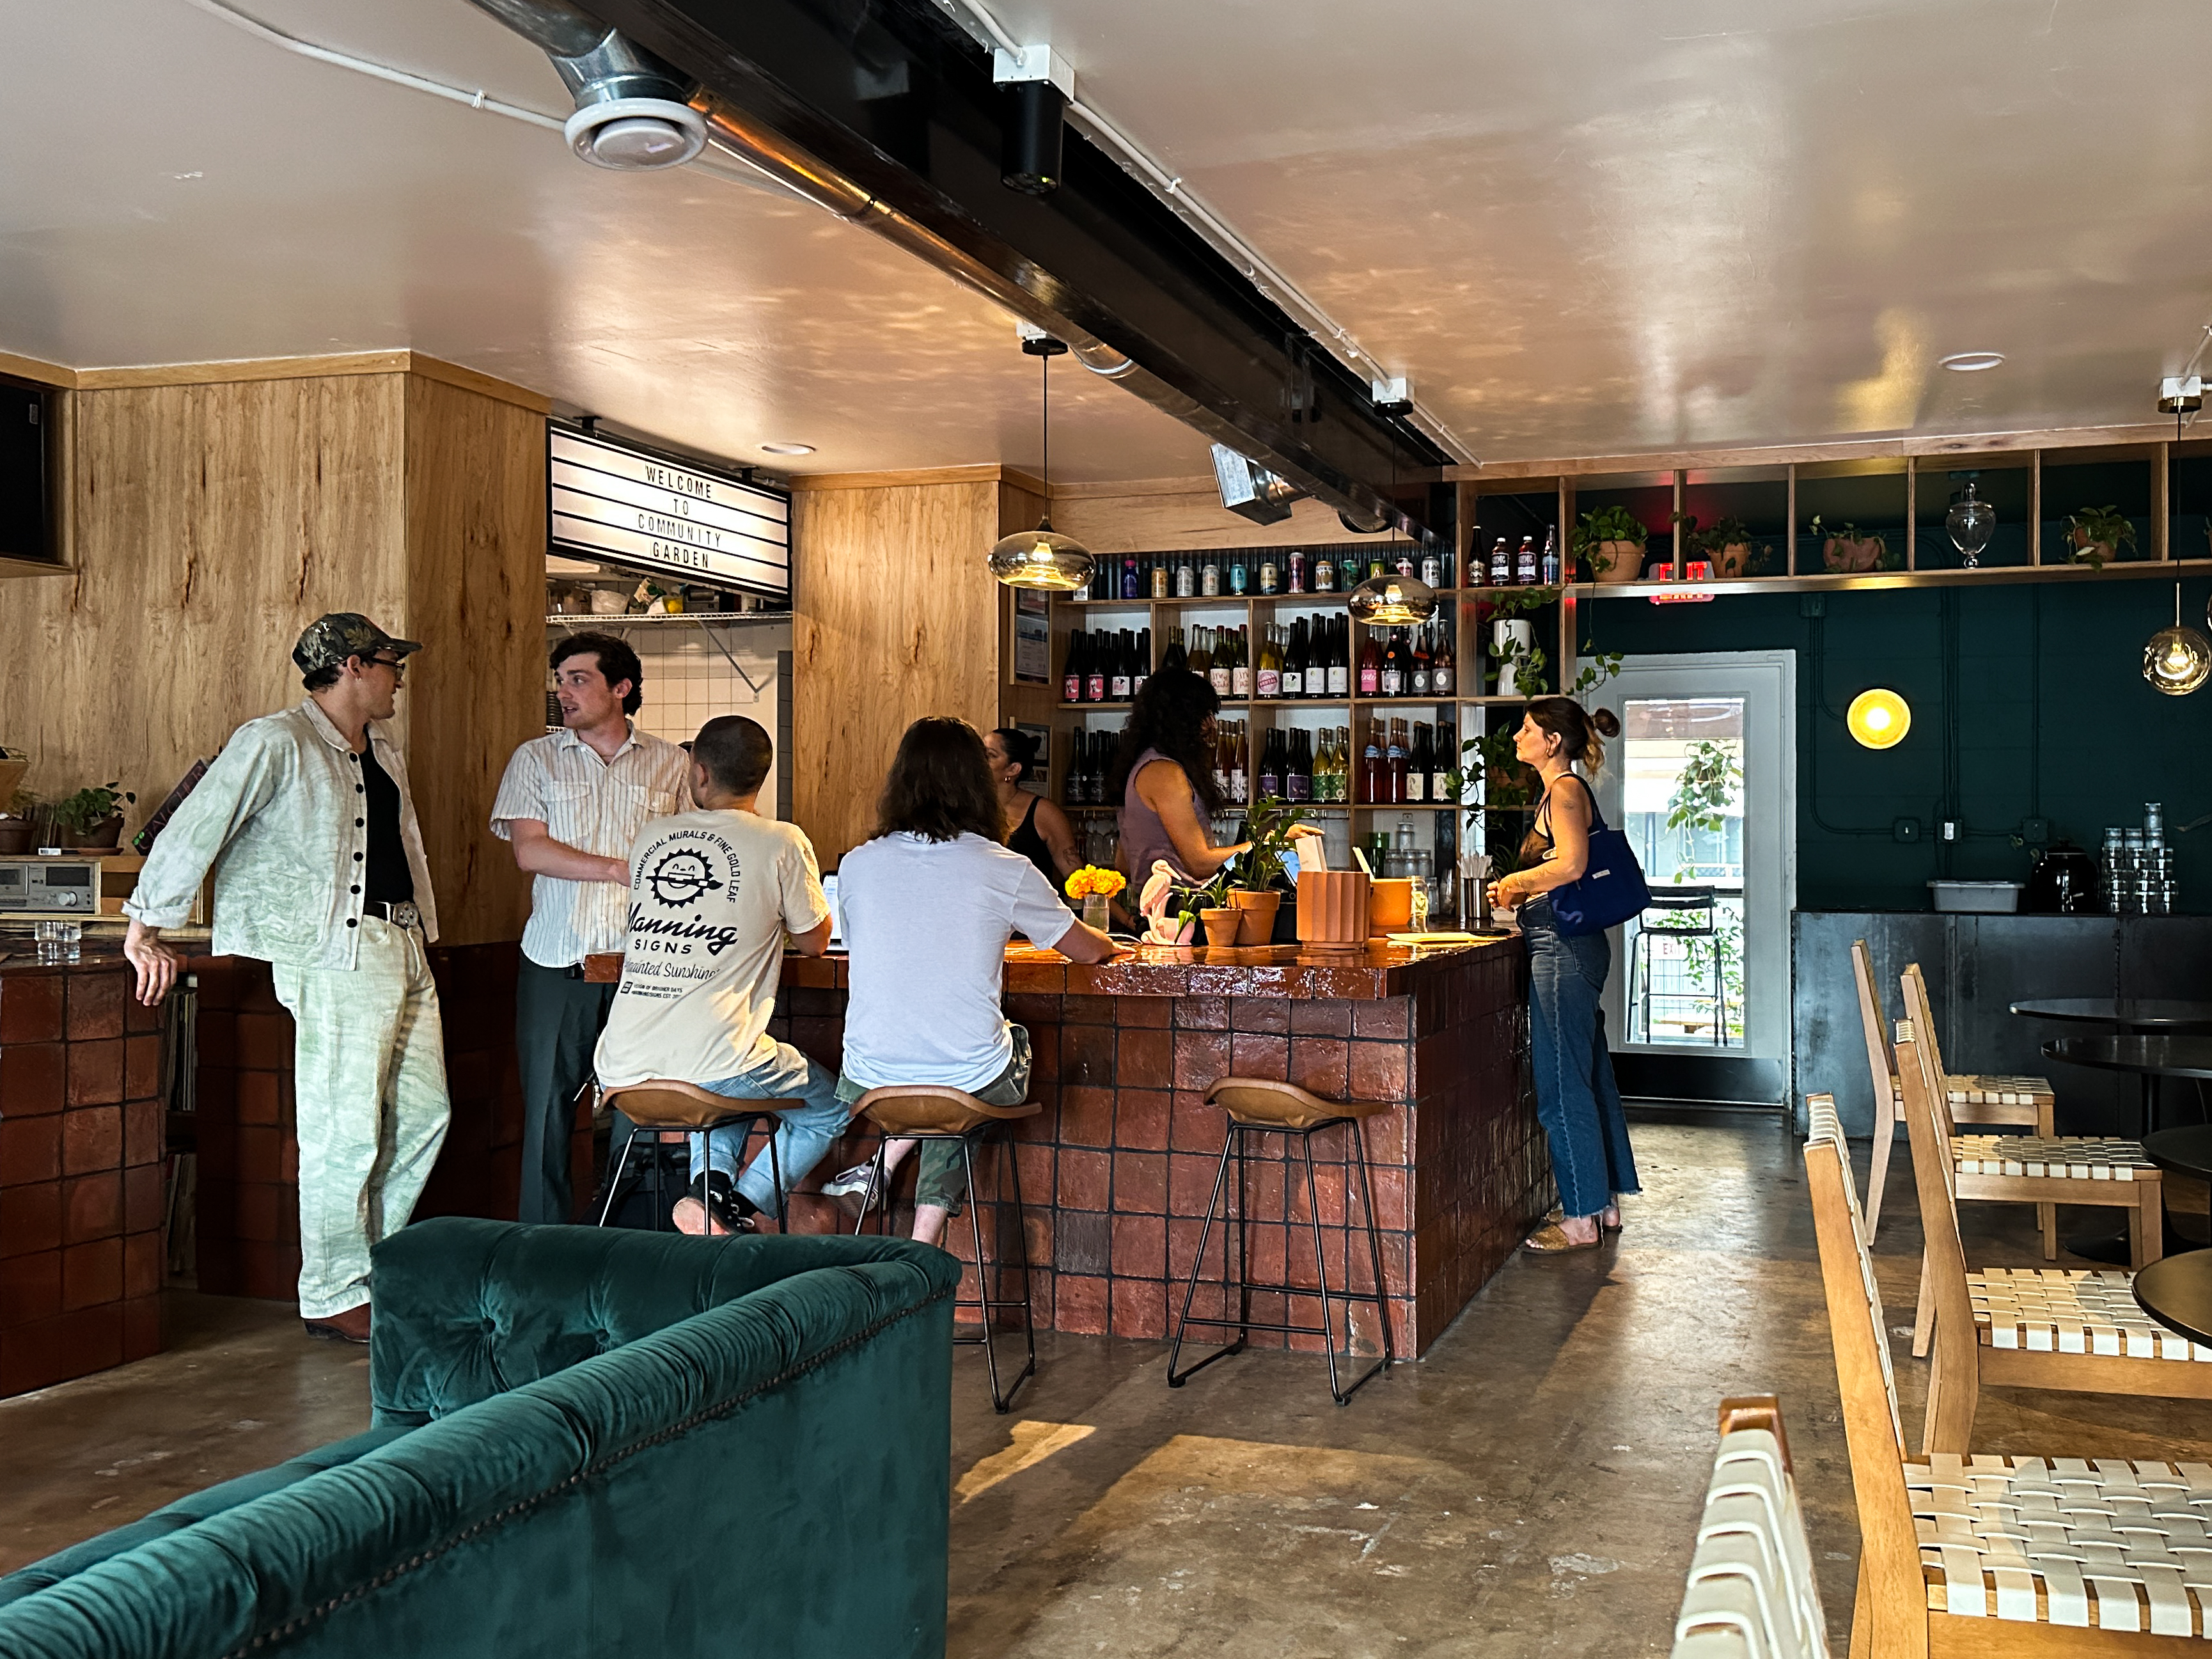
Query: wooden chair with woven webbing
(1752, 1590)
(2025, 1103)
(1988, 1556)
(2029, 1328)
(2045, 1170)
(1969, 1104)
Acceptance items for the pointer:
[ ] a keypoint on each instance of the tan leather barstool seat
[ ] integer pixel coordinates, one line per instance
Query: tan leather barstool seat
(923, 1109)
(663, 1103)
(1266, 1103)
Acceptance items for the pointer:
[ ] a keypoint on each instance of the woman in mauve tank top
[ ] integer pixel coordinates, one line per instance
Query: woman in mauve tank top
(1163, 775)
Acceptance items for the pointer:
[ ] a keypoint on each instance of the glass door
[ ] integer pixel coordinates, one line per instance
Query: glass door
(1703, 778)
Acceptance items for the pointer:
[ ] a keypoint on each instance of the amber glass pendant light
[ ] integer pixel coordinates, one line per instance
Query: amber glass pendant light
(2178, 659)
(1042, 557)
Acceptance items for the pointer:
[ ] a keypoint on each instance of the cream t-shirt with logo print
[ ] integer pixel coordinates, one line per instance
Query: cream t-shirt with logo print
(711, 895)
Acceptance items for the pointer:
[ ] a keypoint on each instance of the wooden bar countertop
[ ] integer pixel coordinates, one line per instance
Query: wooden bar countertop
(1381, 970)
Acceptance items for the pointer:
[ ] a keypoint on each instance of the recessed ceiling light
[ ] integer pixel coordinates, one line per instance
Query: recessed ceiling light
(786, 449)
(1969, 362)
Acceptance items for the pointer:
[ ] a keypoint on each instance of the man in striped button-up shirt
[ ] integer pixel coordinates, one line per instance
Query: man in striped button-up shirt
(572, 802)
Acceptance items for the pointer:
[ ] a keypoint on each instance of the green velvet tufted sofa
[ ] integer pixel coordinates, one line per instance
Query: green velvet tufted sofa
(585, 1444)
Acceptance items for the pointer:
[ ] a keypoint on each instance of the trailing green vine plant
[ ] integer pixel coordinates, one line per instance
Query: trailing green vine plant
(2096, 533)
(1508, 784)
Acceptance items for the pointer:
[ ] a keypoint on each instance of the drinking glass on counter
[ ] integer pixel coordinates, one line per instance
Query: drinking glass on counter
(59, 939)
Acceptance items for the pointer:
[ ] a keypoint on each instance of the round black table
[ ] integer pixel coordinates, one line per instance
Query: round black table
(2149, 1056)
(2186, 1151)
(2177, 1291)
(2121, 1013)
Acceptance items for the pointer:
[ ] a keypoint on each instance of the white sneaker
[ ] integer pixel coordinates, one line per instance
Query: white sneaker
(849, 1184)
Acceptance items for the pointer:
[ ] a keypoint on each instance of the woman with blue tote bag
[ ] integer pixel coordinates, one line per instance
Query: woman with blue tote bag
(1577, 878)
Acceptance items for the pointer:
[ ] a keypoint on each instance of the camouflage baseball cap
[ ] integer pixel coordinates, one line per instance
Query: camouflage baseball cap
(330, 640)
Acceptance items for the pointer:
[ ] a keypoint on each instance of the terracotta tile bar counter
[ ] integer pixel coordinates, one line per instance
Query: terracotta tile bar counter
(1117, 1172)
(81, 1141)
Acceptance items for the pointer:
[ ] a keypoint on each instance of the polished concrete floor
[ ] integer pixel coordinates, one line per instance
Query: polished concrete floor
(1528, 1488)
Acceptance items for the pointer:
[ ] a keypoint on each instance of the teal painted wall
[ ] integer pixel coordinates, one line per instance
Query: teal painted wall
(2042, 686)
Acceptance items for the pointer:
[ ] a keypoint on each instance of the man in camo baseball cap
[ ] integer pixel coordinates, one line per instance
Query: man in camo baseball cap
(329, 641)
(305, 824)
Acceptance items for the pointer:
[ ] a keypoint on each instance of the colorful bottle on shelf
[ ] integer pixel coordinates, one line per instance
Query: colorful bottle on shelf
(1549, 565)
(1501, 564)
(1525, 564)
(1297, 570)
(1370, 667)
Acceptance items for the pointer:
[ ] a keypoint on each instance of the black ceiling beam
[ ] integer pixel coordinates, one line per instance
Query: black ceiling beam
(898, 100)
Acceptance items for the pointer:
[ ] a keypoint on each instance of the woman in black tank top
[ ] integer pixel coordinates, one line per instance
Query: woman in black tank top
(1577, 1100)
(1037, 829)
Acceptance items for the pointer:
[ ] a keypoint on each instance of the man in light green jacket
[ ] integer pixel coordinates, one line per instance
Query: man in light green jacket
(306, 819)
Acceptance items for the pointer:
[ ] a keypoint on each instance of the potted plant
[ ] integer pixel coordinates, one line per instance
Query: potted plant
(93, 816)
(1844, 550)
(1726, 546)
(1269, 821)
(2096, 534)
(1611, 541)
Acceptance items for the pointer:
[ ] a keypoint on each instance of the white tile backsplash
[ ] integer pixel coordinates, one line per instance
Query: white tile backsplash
(689, 682)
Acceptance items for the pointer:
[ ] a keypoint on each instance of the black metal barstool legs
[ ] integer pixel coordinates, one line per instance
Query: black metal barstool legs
(1260, 1107)
(943, 1114)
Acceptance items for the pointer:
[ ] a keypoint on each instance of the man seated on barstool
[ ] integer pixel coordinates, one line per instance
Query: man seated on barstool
(712, 895)
(929, 903)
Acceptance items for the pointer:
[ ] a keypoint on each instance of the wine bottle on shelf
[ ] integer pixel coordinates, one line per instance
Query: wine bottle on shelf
(1141, 670)
(1117, 674)
(1129, 577)
(1240, 775)
(1072, 792)
(1071, 671)
(1393, 677)
(1267, 678)
(1393, 761)
(1440, 766)
(1298, 780)
(1501, 564)
(1240, 665)
(1370, 765)
(1176, 657)
(1371, 666)
(1221, 759)
(1417, 764)
(1339, 657)
(1294, 661)
(1417, 676)
(1441, 674)
(1548, 566)
(1525, 565)
(1095, 667)
(1271, 768)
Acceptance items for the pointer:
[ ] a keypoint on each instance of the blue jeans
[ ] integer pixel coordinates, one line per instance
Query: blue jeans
(802, 1135)
(1578, 1102)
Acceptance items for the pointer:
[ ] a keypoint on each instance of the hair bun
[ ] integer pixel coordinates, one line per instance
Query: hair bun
(1605, 721)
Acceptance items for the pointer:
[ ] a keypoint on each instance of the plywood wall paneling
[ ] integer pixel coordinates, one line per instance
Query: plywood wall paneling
(897, 618)
(1163, 520)
(475, 479)
(212, 523)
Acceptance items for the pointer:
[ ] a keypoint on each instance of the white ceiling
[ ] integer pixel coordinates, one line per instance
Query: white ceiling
(1582, 229)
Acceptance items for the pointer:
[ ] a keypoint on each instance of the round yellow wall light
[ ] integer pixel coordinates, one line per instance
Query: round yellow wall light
(1879, 719)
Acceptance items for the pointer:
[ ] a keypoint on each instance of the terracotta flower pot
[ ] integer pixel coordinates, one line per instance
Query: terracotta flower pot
(2088, 551)
(1616, 562)
(1258, 907)
(1840, 554)
(1731, 560)
(105, 833)
(1223, 926)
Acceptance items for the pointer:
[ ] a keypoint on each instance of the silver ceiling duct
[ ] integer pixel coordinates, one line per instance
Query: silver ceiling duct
(632, 113)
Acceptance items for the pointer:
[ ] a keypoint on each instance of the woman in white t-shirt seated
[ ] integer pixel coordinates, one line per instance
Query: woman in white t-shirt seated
(929, 905)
